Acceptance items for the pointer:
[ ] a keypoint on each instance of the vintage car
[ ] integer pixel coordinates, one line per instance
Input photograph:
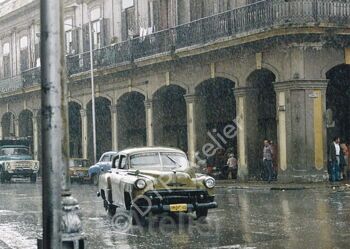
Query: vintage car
(155, 180)
(16, 160)
(103, 165)
(78, 169)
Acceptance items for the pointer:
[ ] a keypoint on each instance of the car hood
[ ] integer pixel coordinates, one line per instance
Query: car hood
(168, 179)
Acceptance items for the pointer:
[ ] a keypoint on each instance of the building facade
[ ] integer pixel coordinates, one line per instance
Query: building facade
(194, 74)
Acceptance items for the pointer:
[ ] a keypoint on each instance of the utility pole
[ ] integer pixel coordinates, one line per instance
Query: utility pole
(92, 92)
(61, 223)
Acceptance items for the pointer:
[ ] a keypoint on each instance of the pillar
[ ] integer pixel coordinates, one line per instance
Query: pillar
(16, 121)
(191, 126)
(84, 132)
(35, 134)
(149, 122)
(114, 122)
(1, 132)
(301, 130)
(241, 95)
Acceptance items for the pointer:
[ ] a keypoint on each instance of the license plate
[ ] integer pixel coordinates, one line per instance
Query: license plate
(178, 207)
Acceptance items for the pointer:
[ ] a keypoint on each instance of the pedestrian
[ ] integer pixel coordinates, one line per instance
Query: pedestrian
(232, 166)
(344, 160)
(267, 159)
(334, 158)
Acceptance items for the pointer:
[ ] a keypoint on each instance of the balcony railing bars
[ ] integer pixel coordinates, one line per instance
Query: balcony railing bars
(249, 18)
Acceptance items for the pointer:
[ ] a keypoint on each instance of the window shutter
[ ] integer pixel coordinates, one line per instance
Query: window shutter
(105, 32)
(75, 40)
(86, 38)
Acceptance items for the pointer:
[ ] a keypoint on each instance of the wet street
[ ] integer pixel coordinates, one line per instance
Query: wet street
(317, 218)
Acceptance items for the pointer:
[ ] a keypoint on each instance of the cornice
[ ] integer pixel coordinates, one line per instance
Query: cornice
(301, 84)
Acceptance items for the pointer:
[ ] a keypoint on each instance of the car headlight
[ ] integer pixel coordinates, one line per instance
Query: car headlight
(36, 166)
(140, 184)
(8, 165)
(209, 182)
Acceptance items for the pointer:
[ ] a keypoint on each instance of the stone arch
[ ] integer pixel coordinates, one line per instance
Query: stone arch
(8, 124)
(215, 111)
(338, 102)
(329, 66)
(131, 120)
(261, 123)
(103, 127)
(75, 129)
(169, 117)
(99, 95)
(229, 76)
(177, 84)
(25, 122)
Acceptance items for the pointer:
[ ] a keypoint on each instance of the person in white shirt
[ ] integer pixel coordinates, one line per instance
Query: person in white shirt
(334, 158)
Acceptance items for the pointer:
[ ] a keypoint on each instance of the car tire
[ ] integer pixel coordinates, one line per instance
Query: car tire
(201, 213)
(94, 179)
(2, 176)
(137, 218)
(33, 178)
(111, 210)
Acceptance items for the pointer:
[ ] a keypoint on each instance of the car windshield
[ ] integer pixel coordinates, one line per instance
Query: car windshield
(158, 161)
(14, 151)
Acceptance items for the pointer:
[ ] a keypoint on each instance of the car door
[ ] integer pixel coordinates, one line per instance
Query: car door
(118, 182)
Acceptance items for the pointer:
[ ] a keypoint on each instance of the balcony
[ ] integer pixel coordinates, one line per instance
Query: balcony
(31, 77)
(252, 18)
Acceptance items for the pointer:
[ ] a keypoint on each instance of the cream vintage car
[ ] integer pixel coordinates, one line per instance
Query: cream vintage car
(155, 180)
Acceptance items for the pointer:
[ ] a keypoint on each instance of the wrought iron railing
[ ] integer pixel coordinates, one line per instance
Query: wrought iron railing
(10, 84)
(31, 77)
(254, 17)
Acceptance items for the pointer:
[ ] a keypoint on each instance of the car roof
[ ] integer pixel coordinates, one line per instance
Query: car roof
(109, 152)
(150, 149)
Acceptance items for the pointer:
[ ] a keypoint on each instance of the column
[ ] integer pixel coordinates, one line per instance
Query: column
(114, 122)
(149, 123)
(16, 121)
(84, 132)
(191, 126)
(35, 134)
(301, 129)
(242, 143)
(1, 131)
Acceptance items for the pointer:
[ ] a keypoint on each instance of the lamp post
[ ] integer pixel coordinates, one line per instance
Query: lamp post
(93, 106)
(92, 93)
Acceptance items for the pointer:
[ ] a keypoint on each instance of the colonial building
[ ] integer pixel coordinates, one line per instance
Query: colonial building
(195, 74)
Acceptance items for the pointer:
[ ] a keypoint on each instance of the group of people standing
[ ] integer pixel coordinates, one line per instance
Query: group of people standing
(338, 160)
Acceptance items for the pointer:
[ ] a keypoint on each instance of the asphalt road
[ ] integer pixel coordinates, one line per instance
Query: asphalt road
(314, 218)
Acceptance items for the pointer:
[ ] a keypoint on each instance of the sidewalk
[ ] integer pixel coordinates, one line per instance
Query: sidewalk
(261, 185)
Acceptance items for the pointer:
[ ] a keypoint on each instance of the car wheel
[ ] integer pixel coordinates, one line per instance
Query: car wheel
(137, 218)
(201, 213)
(95, 179)
(2, 176)
(111, 210)
(33, 178)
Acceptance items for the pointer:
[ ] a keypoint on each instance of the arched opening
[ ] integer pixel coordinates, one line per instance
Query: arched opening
(215, 114)
(25, 122)
(169, 117)
(103, 127)
(131, 120)
(8, 125)
(338, 103)
(261, 121)
(75, 131)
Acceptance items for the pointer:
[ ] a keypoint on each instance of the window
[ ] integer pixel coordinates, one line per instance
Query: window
(24, 55)
(95, 17)
(6, 60)
(68, 26)
(127, 3)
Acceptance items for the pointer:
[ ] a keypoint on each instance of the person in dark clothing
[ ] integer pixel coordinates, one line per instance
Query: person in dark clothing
(334, 157)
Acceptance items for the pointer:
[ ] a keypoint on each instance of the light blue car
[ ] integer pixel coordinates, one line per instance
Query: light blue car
(103, 165)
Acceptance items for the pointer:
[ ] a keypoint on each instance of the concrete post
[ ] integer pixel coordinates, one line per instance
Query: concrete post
(114, 121)
(1, 131)
(191, 126)
(149, 123)
(84, 129)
